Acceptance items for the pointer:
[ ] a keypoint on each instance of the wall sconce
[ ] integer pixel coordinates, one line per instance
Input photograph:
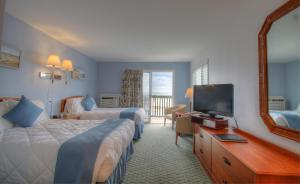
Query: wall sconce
(67, 66)
(53, 62)
(51, 76)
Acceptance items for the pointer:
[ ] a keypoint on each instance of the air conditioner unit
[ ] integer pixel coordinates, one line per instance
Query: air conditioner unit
(109, 100)
(277, 103)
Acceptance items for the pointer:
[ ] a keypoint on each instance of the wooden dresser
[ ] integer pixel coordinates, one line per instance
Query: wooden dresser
(257, 161)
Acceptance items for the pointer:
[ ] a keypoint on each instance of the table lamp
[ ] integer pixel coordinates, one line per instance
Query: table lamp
(189, 95)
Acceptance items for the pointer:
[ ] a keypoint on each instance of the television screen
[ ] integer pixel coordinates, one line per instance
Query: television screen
(214, 99)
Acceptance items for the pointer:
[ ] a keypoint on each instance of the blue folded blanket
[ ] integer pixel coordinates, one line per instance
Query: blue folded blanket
(293, 120)
(129, 113)
(76, 157)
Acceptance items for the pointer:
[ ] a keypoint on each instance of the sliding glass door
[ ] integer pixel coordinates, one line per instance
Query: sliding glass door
(146, 94)
(158, 92)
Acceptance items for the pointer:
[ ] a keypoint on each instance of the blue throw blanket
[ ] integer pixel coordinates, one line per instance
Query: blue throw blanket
(293, 120)
(76, 157)
(129, 113)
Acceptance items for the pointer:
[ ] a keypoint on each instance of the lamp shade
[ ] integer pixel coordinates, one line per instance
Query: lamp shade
(67, 65)
(53, 61)
(189, 93)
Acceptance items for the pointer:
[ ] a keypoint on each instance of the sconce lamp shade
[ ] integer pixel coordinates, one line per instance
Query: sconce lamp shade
(67, 65)
(189, 93)
(53, 61)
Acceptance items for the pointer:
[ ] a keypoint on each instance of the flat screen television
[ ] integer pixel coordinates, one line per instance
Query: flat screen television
(216, 99)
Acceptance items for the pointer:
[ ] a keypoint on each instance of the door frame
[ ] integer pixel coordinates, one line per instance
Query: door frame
(150, 82)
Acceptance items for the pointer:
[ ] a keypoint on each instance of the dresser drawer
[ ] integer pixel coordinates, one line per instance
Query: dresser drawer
(206, 148)
(220, 173)
(233, 170)
(198, 145)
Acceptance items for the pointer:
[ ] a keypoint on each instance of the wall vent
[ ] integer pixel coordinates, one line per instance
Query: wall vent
(277, 103)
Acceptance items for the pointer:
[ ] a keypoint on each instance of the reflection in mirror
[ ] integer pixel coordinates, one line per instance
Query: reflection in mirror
(283, 42)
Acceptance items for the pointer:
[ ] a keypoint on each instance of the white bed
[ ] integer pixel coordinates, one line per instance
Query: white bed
(288, 119)
(72, 106)
(28, 155)
(280, 118)
(105, 113)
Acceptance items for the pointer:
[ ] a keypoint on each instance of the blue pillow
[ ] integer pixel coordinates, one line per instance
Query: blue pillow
(24, 113)
(88, 103)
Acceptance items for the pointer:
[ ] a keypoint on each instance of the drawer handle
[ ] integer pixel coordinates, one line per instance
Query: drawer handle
(226, 161)
(201, 136)
(201, 151)
(224, 181)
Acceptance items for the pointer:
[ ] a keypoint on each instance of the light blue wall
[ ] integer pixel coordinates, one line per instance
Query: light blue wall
(101, 77)
(277, 78)
(110, 74)
(35, 47)
(293, 84)
(284, 80)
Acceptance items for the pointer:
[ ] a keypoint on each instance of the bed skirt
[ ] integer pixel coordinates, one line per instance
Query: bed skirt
(139, 129)
(118, 173)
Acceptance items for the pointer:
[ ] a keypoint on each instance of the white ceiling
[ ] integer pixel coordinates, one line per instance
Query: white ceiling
(284, 39)
(136, 30)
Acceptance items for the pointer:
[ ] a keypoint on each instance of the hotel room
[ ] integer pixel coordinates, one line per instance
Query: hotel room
(139, 91)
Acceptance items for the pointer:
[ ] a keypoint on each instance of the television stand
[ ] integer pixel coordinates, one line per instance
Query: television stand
(210, 122)
(212, 116)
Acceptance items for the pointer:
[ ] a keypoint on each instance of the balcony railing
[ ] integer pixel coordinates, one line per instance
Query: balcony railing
(158, 105)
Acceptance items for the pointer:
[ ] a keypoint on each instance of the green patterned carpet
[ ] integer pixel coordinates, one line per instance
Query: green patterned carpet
(157, 160)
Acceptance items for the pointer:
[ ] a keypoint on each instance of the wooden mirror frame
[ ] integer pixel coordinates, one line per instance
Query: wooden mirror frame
(263, 71)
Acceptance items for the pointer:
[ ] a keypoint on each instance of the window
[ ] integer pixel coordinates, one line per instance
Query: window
(200, 75)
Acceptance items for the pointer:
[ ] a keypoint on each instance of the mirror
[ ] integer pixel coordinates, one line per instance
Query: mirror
(279, 46)
(283, 44)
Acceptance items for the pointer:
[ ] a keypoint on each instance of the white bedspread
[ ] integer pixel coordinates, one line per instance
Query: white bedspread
(28, 155)
(106, 113)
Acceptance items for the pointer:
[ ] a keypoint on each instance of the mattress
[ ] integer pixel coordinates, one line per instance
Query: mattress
(28, 155)
(107, 113)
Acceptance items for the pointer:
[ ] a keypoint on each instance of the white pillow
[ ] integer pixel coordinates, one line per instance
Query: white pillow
(74, 106)
(44, 115)
(4, 108)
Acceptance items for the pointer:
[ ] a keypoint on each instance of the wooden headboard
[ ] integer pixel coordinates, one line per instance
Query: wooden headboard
(64, 101)
(3, 99)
